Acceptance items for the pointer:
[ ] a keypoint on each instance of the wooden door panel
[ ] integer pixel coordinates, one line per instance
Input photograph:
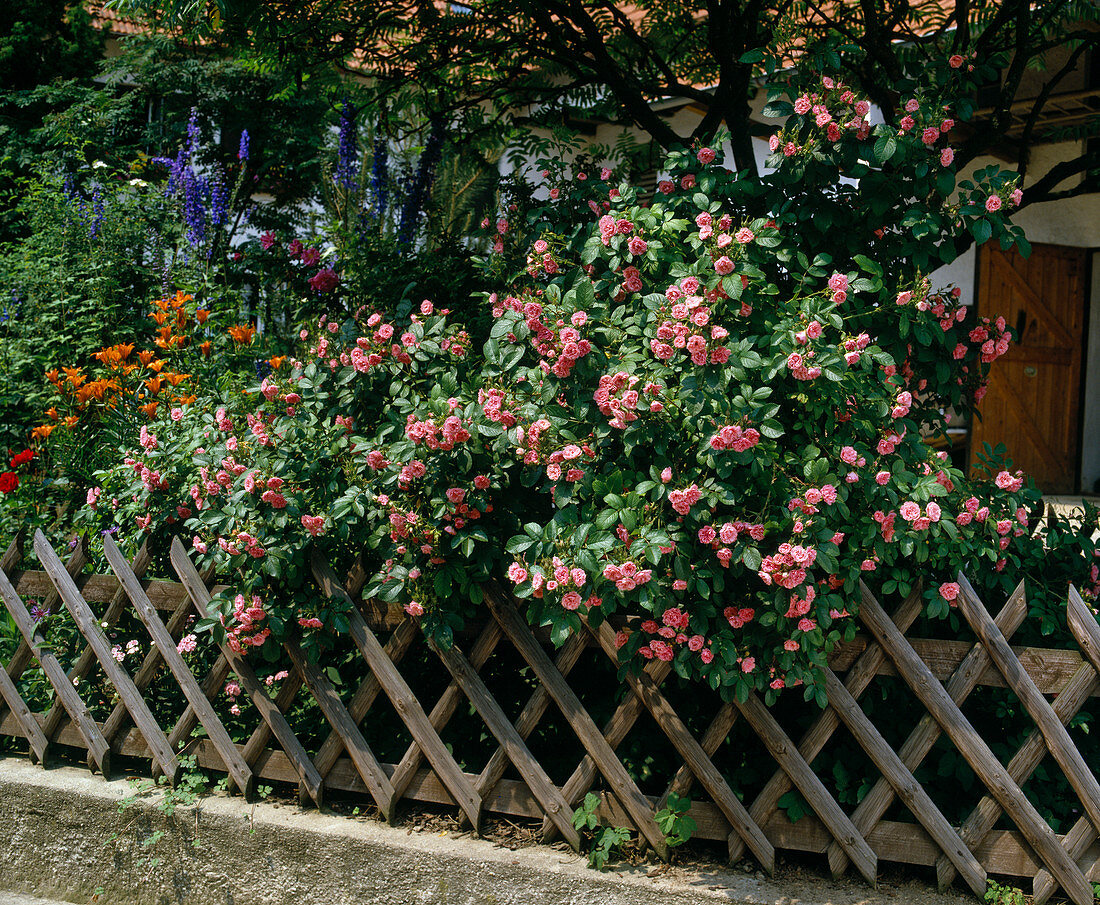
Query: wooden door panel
(1034, 390)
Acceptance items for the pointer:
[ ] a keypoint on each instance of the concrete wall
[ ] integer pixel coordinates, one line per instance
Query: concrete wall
(66, 837)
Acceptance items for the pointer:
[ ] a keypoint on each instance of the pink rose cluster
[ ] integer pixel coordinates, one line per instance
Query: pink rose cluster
(735, 437)
(812, 498)
(559, 342)
(445, 436)
(627, 575)
(800, 368)
(411, 533)
(610, 227)
(686, 326)
(619, 400)
(920, 521)
(787, 567)
(558, 579)
(836, 109)
(492, 406)
(1011, 483)
(672, 635)
(566, 462)
(246, 629)
(720, 537)
(683, 499)
(242, 542)
(541, 260)
(992, 338)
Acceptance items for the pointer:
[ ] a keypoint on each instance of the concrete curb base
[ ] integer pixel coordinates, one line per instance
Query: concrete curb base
(66, 839)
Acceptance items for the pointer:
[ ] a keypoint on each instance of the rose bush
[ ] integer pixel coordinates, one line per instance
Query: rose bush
(706, 414)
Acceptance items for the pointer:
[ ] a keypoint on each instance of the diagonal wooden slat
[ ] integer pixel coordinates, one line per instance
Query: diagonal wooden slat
(905, 785)
(980, 822)
(1058, 741)
(859, 677)
(288, 691)
(813, 790)
(402, 698)
(974, 750)
(528, 719)
(961, 683)
(87, 660)
(548, 795)
(181, 733)
(624, 788)
(99, 752)
(643, 686)
(89, 627)
(166, 645)
(22, 657)
(445, 707)
(9, 694)
(211, 685)
(1081, 836)
(39, 744)
(395, 648)
(374, 777)
(280, 728)
(614, 731)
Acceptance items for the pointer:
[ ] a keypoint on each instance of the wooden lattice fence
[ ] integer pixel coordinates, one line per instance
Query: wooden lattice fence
(1052, 686)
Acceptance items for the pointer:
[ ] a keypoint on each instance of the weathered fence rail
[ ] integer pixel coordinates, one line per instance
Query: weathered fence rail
(1052, 685)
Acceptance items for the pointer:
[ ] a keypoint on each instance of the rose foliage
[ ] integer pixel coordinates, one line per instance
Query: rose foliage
(705, 415)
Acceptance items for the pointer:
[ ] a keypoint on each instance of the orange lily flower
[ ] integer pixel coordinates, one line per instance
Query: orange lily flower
(205, 349)
(42, 432)
(201, 315)
(148, 410)
(277, 362)
(145, 357)
(242, 334)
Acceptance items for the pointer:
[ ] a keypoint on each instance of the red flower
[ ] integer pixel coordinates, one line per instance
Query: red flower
(22, 458)
(9, 480)
(324, 280)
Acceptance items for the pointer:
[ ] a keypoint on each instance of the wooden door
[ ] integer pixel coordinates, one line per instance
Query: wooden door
(1033, 401)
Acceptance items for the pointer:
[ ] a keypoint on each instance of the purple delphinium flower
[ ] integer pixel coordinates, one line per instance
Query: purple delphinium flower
(219, 202)
(379, 176)
(97, 213)
(348, 150)
(194, 207)
(242, 151)
(420, 188)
